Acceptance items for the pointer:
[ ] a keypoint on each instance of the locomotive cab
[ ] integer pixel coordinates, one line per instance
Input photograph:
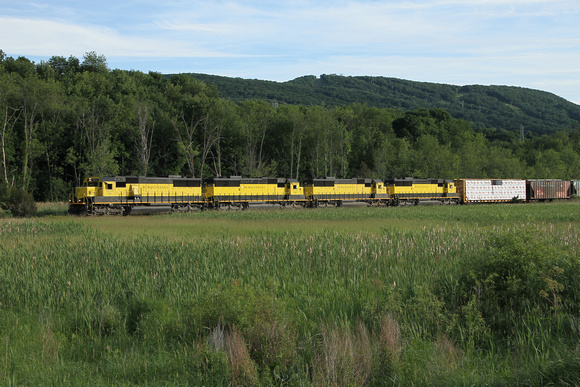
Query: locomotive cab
(379, 189)
(449, 187)
(92, 186)
(294, 191)
(450, 191)
(83, 195)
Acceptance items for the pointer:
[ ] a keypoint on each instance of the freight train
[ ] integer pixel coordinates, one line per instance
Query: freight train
(119, 195)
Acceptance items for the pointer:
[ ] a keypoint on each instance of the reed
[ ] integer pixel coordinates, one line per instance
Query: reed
(349, 295)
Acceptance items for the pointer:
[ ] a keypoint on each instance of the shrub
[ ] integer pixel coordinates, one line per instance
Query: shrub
(108, 320)
(262, 321)
(211, 368)
(19, 202)
(515, 272)
(158, 321)
(4, 195)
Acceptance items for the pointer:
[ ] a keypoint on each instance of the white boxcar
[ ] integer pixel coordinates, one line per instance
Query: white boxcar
(490, 190)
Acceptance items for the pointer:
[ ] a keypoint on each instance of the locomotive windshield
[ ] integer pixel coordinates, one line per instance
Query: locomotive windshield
(92, 183)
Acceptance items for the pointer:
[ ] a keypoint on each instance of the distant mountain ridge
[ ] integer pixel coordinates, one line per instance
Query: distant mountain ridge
(498, 107)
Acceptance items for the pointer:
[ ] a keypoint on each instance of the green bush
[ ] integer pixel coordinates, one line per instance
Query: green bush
(4, 195)
(19, 202)
(262, 320)
(514, 273)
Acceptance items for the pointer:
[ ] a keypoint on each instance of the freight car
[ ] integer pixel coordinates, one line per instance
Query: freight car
(409, 191)
(490, 190)
(548, 189)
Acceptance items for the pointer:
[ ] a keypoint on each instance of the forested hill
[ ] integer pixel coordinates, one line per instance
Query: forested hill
(499, 107)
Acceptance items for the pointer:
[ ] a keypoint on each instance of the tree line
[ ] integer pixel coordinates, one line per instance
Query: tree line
(65, 119)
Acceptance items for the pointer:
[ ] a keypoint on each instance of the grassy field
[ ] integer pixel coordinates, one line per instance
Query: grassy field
(457, 295)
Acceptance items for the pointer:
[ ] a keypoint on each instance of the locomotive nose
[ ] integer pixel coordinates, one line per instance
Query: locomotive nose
(84, 192)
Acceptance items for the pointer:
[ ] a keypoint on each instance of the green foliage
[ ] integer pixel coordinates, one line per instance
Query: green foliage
(499, 107)
(93, 62)
(19, 202)
(563, 371)
(4, 196)
(517, 272)
(262, 321)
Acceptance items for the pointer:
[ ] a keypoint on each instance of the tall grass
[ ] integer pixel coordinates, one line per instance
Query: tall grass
(326, 297)
(51, 208)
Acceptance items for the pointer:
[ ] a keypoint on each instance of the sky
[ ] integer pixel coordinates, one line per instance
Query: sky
(526, 43)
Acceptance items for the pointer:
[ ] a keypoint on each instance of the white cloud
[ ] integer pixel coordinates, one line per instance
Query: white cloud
(192, 27)
(531, 43)
(43, 37)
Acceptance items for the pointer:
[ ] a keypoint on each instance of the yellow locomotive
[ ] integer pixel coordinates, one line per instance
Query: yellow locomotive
(334, 192)
(410, 191)
(118, 195)
(238, 193)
